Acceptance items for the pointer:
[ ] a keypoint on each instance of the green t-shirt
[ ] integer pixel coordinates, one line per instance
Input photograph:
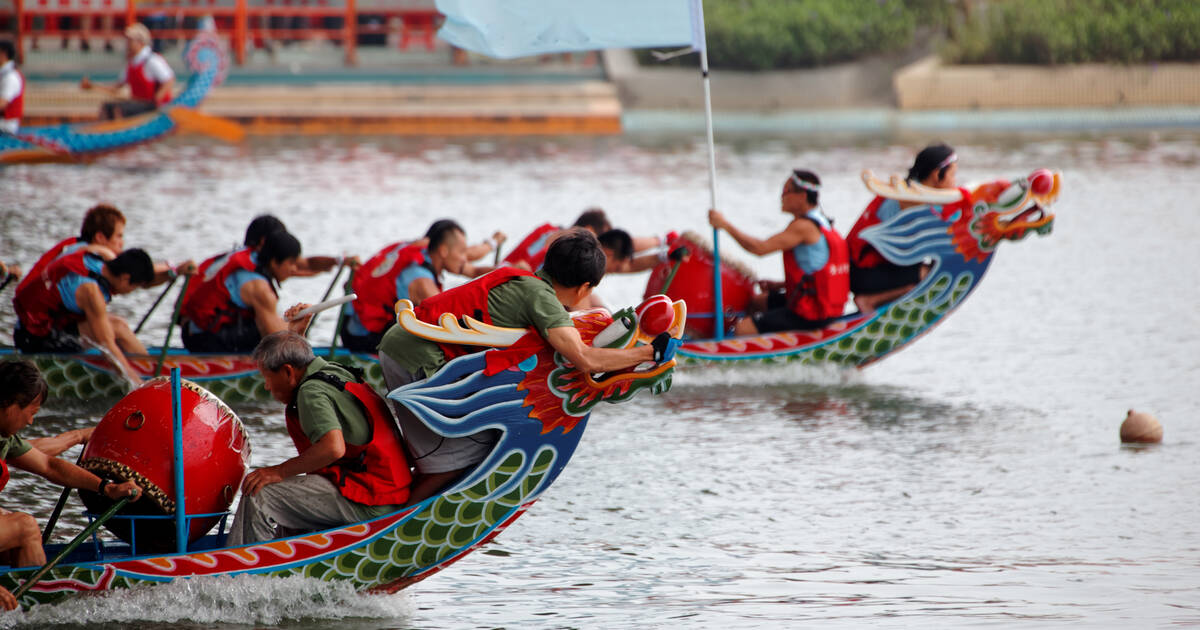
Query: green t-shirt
(13, 446)
(522, 302)
(321, 408)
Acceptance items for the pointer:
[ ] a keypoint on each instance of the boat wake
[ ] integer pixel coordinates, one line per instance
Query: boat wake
(741, 374)
(245, 599)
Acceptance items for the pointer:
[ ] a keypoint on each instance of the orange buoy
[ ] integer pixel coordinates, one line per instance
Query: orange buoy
(1141, 427)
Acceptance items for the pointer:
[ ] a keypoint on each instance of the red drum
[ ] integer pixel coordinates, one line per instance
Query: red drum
(693, 283)
(134, 441)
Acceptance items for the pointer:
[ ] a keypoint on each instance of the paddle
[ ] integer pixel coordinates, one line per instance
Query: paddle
(155, 305)
(677, 255)
(328, 290)
(337, 328)
(327, 304)
(192, 121)
(88, 531)
(8, 278)
(496, 258)
(162, 355)
(58, 507)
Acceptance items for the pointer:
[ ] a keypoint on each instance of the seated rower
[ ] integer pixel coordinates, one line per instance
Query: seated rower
(350, 464)
(236, 307)
(401, 271)
(617, 246)
(22, 392)
(873, 279)
(148, 75)
(512, 298)
(70, 298)
(12, 89)
(531, 251)
(815, 264)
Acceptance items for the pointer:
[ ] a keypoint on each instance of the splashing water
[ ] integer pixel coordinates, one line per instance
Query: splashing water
(245, 599)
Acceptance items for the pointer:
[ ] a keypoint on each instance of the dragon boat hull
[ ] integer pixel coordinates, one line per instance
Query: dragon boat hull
(82, 141)
(957, 229)
(535, 399)
(234, 378)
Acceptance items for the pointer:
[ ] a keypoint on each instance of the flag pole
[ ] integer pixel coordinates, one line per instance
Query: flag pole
(718, 302)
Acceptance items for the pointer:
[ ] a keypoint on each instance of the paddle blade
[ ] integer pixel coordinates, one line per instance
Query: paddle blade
(192, 121)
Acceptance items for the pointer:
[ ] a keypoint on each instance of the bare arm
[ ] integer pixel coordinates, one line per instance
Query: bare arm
(64, 473)
(475, 252)
(91, 302)
(113, 90)
(642, 243)
(56, 445)
(258, 296)
(566, 340)
(799, 231)
(164, 90)
(420, 289)
(314, 265)
(330, 448)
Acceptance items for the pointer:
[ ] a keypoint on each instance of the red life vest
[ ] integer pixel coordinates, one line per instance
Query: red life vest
(46, 259)
(375, 473)
(3, 474)
(211, 307)
(142, 87)
(862, 254)
(15, 108)
(822, 294)
(206, 271)
(39, 306)
(375, 284)
(468, 299)
(532, 250)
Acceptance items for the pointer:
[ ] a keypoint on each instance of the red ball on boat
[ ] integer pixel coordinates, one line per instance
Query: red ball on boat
(135, 441)
(656, 315)
(1041, 181)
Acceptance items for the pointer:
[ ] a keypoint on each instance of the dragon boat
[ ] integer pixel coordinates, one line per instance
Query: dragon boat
(73, 142)
(956, 231)
(539, 402)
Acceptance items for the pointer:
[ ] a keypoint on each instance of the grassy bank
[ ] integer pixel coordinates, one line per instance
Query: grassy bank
(784, 34)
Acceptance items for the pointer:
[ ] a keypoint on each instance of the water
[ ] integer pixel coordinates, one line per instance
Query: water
(974, 479)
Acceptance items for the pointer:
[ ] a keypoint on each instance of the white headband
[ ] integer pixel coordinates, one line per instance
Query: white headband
(800, 183)
(950, 159)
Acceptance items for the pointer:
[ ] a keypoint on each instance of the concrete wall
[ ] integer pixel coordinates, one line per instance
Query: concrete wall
(928, 84)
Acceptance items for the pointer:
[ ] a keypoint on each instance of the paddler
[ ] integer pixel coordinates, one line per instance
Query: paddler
(403, 271)
(69, 300)
(531, 251)
(815, 264)
(233, 309)
(874, 279)
(12, 89)
(507, 297)
(350, 464)
(148, 75)
(22, 392)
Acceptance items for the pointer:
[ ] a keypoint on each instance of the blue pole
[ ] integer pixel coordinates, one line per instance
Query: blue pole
(181, 538)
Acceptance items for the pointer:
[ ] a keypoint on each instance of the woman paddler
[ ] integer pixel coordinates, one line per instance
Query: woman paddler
(22, 391)
(232, 310)
(815, 264)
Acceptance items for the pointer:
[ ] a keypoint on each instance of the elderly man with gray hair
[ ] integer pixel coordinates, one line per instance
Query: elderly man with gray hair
(148, 75)
(350, 465)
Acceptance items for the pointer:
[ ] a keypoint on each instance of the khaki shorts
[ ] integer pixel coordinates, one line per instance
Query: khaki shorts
(433, 452)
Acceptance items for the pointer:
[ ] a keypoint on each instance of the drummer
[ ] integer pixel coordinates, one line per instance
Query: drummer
(350, 464)
(511, 298)
(874, 279)
(22, 392)
(233, 309)
(815, 264)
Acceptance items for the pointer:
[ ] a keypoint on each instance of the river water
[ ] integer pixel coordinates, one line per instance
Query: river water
(974, 479)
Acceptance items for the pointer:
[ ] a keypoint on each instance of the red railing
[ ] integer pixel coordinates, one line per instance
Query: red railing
(243, 22)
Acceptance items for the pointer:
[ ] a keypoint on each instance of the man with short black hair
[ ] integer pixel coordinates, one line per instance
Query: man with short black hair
(22, 392)
(511, 298)
(350, 465)
(70, 299)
